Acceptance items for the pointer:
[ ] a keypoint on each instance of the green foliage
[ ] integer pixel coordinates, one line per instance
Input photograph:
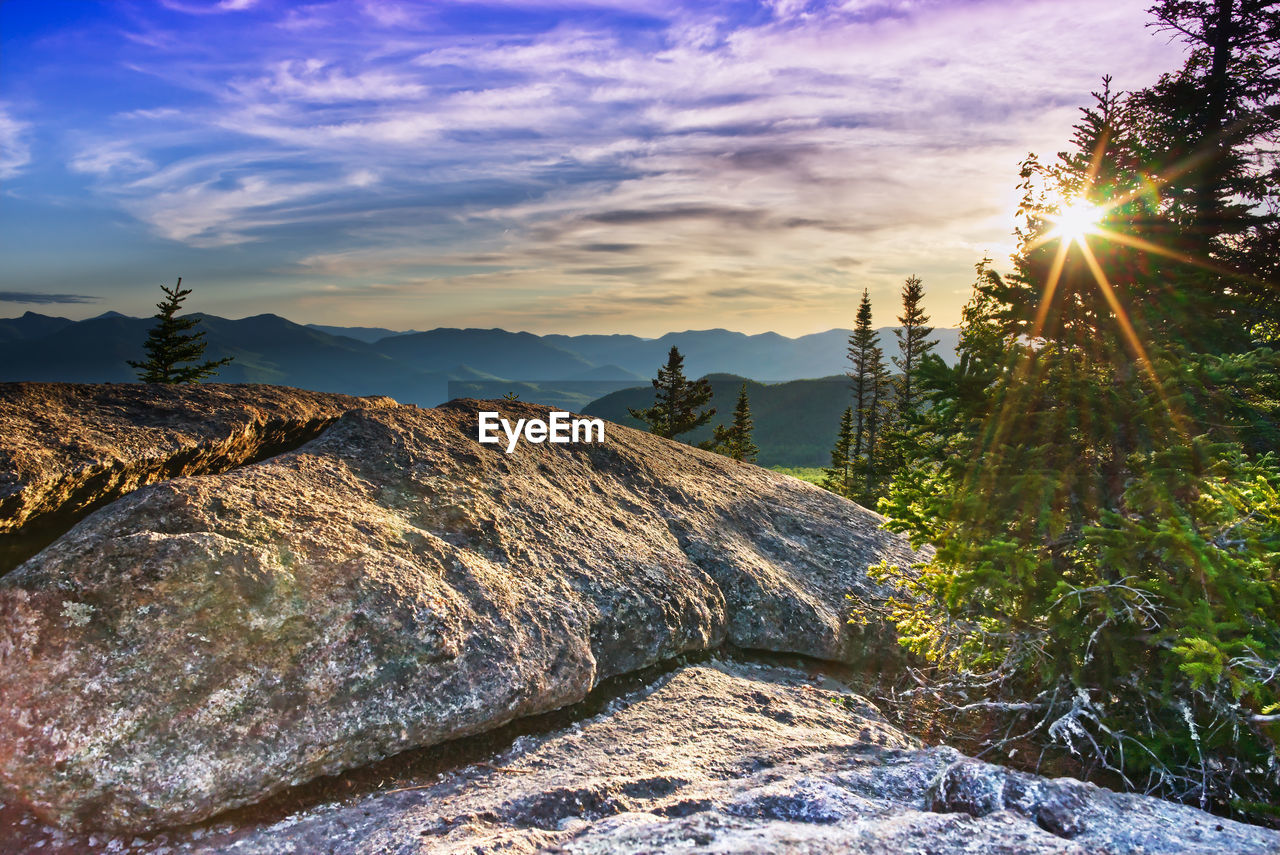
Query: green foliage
(870, 382)
(676, 408)
(913, 346)
(840, 478)
(1095, 471)
(812, 474)
(735, 439)
(171, 345)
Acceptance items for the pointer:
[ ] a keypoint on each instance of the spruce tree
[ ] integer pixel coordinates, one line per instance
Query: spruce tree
(871, 463)
(863, 343)
(734, 440)
(1106, 545)
(171, 345)
(839, 478)
(677, 402)
(913, 346)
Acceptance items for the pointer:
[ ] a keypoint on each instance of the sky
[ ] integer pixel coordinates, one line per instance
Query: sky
(569, 166)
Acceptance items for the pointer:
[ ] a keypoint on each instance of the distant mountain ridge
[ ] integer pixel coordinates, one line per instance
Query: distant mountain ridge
(414, 367)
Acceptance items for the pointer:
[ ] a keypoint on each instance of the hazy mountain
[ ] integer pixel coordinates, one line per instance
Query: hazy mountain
(795, 422)
(29, 326)
(368, 335)
(517, 356)
(766, 356)
(417, 367)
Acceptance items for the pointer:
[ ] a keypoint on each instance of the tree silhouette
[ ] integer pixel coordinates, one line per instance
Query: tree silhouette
(913, 343)
(839, 478)
(734, 440)
(171, 344)
(675, 408)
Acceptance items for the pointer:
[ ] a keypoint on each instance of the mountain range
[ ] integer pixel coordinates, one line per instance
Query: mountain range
(417, 367)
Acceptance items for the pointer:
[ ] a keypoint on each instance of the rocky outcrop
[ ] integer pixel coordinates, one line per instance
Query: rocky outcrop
(720, 758)
(206, 641)
(67, 448)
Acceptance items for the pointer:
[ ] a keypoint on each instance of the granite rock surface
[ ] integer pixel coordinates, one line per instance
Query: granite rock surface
(206, 641)
(67, 448)
(719, 758)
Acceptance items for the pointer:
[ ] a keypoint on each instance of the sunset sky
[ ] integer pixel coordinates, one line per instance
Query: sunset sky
(588, 166)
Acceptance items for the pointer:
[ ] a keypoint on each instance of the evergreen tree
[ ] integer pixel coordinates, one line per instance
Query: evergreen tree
(863, 343)
(1106, 545)
(872, 464)
(913, 345)
(677, 402)
(734, 440)
(840, 477)
(1207, 133)
(171, 345)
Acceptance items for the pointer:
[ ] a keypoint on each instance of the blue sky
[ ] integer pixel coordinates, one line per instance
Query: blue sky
(575, 166)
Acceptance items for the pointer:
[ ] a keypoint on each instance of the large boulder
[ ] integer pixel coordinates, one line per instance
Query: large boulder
(206, 641)
(67, 448)
(722, 757)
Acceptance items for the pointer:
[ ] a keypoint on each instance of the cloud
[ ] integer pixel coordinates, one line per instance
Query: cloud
(29, 297)
(767, 154)
(215, 8)
(15, 153)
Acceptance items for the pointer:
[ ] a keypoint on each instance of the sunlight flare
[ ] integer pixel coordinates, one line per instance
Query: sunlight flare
(1076, 219)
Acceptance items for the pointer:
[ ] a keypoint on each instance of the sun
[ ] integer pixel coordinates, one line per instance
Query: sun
(1075, 219)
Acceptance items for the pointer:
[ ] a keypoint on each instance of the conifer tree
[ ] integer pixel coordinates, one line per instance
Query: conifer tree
(1106, 546)
(839, 478)
(863, 343)
(913, 345)
(171, 345)
(677, 402)
(734, 440)
(872, 463)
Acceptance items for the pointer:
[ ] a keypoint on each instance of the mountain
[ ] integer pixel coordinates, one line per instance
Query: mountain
(766, 356)
(30, 326)
(417, 367)
(519, 356)
(368, 335)
(795, 422)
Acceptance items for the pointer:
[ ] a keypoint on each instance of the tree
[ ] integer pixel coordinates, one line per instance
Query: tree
(871, 464)
(869, 378)
(913, 345)
(1105, 515)
(735, 439)
(839, 478)
(863, 343)
(1208, 133)
(170, 344)
(677, 401)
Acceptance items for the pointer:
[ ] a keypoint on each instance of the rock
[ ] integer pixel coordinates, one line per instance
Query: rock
(67, 448)
(727, 758)
(204, 642)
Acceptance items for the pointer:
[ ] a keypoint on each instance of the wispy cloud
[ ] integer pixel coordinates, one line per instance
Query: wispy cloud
(15, 152)
(725, 152)
(29, 297)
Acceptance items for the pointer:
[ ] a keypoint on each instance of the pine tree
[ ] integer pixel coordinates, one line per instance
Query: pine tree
(863, 343)
(840, 477)
(1106, 547)
(677, 401)
(1208, 131)
(913, 345)
(734, 440)
(171, 345)
(872, 463)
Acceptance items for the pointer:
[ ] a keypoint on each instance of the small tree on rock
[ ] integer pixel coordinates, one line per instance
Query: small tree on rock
(676, 406)
(171, 344)
(734, 439)
(840, 477)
